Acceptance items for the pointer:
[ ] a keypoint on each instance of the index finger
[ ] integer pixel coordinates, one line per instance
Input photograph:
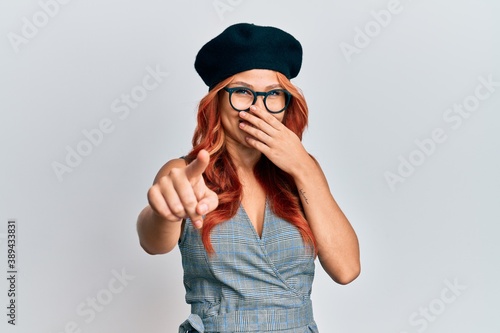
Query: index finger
(198, 166)
(262, 120)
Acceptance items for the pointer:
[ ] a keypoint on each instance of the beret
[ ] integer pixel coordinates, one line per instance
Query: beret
(245, 46)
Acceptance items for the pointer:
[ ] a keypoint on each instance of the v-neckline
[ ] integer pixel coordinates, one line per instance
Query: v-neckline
(247, 218)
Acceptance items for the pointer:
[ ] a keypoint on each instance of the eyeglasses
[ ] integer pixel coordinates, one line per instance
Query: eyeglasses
(275, 101)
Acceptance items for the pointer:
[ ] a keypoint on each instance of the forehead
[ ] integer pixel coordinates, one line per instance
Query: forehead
(257, 78)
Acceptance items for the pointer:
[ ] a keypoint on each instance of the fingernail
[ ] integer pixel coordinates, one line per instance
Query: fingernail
(197, 224)
(243, 114)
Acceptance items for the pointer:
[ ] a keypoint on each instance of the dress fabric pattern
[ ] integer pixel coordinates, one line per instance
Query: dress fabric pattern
(251, 283)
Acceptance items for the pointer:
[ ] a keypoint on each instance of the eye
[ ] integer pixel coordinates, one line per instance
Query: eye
(242, 91)
(276, 93)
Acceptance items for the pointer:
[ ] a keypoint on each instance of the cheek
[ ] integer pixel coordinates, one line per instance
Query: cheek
(280, 116)
(225, 120)
(229, 117)
(226, 111)
(223, 105)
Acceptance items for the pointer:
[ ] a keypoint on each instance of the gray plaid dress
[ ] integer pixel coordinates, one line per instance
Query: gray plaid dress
(251, 283)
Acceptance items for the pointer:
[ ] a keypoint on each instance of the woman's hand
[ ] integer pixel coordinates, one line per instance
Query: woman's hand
(182, 193)
(272, 138)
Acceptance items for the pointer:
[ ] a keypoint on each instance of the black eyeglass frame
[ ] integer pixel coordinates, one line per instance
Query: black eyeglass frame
(256, 94)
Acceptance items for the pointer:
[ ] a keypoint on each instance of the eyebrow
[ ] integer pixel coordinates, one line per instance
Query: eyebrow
(244, 84)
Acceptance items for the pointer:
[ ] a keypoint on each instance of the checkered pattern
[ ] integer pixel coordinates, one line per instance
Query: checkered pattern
(250, 284)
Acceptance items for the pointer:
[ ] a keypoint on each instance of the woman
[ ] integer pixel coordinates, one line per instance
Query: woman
(249, 208)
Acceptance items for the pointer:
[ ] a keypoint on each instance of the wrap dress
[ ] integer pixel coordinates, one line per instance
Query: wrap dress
(250, 283)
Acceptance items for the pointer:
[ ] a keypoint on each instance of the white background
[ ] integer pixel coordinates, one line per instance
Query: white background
(76, 231)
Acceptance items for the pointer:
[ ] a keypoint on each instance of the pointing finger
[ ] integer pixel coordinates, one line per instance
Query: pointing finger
(198, 166)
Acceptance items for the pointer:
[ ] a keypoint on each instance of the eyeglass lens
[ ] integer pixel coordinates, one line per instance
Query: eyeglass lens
(242, 98)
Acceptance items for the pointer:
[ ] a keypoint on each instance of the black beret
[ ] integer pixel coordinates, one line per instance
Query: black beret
(245, 46)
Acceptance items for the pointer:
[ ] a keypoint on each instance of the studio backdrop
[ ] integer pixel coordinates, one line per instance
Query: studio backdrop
(404, 99)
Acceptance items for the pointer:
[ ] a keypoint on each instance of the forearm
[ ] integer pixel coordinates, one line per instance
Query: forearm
(337, 243)
(157, 236)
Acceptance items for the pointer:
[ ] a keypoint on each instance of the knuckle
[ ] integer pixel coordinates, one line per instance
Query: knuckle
(190, 204)
(159, 209)
(153, 192)
(162, 181)
(178, 210)
(260, 135)
(175, 172)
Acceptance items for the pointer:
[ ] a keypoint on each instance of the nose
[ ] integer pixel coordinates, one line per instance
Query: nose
(259, 100)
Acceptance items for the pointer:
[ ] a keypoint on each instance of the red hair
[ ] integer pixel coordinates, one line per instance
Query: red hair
(222, 178)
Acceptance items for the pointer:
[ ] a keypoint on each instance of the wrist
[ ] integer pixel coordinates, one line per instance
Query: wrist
(303, 169)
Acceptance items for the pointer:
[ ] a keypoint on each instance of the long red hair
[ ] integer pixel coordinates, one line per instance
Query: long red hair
(222, 178)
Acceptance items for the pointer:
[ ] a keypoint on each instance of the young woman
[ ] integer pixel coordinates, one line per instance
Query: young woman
(248, 207)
